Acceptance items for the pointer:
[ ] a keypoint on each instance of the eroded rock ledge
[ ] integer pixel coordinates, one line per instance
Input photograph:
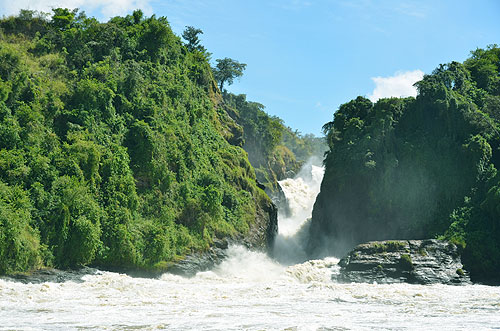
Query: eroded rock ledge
(404, 261)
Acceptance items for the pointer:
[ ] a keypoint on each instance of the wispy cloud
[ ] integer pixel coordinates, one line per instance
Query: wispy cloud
(107, 8)
(399, 85)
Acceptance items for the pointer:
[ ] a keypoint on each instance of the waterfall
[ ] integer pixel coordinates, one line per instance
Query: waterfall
(249, 290)
(300, 193)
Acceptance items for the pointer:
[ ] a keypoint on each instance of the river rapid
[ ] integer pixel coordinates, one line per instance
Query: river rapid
(249, 291)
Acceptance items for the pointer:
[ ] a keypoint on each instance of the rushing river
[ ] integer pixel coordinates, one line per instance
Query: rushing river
(249, 291)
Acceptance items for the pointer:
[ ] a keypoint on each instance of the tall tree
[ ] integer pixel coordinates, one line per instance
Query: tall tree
(193, 42)
(227, 70)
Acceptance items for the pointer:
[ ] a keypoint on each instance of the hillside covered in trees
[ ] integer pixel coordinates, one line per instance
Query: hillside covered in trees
(274, 149)
(418, 167)
(115, 147)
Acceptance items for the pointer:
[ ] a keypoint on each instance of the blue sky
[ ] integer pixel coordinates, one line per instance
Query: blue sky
(305, 58)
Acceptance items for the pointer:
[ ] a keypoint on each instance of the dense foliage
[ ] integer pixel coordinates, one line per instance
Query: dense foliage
(114, 146)
(274, 150)
(419, 167)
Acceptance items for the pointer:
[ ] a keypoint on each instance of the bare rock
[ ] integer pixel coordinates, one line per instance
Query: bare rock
(404, 261)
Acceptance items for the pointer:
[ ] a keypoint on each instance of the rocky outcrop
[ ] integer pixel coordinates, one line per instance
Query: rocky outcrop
(200, 261)
(264, 228)
(51, 275)
(404, 261)
(279, 199)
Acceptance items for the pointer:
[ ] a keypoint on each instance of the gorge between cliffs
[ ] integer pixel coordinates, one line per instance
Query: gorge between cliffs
(137, 192)
(246, 289)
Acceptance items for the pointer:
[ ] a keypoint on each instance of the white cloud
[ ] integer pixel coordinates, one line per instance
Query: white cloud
(399, 85)
(107, 8)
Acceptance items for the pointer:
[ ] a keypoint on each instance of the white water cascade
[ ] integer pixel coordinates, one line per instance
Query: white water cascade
(249, 291)
(300, 193)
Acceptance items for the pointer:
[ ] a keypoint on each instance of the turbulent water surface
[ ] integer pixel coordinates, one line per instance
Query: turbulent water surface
(249, 291)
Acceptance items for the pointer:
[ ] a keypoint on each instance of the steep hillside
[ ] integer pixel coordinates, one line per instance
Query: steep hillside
(114, 147)
(274, 150)
(418, 168)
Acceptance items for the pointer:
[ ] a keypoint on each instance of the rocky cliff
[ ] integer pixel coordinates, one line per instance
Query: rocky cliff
(416, 168)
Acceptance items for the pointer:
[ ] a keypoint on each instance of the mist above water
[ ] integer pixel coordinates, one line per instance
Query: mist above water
(300, 193)
(249, 290)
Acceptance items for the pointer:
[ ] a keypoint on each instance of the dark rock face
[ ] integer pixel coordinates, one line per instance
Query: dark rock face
(52, 275)
(403, 261)
(201, 261)
(279, 199)
(264, 229)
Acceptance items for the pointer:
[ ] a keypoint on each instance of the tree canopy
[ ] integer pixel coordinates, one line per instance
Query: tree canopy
(114, 147)
(226, 70)
(190, 34)
(419, 167)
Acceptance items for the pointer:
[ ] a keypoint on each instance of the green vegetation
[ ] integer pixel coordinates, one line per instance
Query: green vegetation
(193, 42)
(405, 262)
(114, 146)
(422, 252)
(274, 150)
(305, 146)
(19, 244)
(421, 167)
(389, 246)
(227, 70)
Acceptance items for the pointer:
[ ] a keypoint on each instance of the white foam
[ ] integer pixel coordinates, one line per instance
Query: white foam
(300, 193)
(236, 297)
(249, 291)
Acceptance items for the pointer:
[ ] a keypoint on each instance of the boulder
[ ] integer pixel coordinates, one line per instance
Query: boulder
(403, 261)
(200, 261)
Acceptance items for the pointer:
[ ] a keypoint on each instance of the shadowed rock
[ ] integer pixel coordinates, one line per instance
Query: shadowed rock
(52, 276)
(203, 261)
(404, 261)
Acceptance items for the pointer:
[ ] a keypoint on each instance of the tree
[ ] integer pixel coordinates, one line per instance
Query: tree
(156, 36)
(191, 36)
(63, 17)
(117, 157)
(227, 70)
(138, 15)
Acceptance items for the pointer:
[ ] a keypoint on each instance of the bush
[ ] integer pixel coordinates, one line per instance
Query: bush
(405, 262)
(19, 242)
